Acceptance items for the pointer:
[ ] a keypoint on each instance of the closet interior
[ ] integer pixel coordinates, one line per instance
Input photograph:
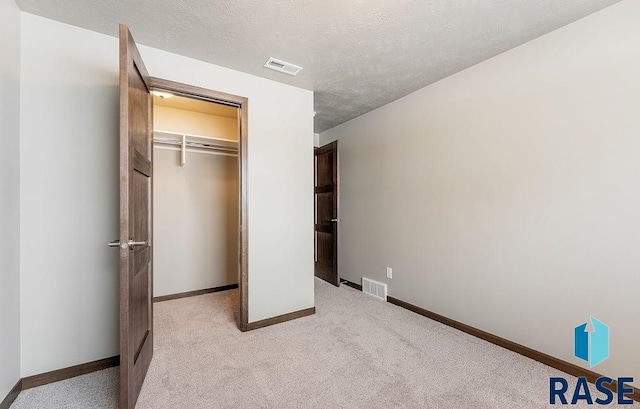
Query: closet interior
(196, 192)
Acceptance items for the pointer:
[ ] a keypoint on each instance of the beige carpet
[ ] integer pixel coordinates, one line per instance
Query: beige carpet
(356, 352)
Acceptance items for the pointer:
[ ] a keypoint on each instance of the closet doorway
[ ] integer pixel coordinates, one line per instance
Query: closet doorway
(136, 239)
(199, 193)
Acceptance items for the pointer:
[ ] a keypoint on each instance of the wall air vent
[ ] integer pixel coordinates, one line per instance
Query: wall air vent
(374, 288)
(282, 66)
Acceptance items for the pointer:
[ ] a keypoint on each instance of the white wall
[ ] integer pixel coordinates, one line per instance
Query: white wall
(9, 196)
(69, 196)
(69, 165)
(506, 196)
(195, 222)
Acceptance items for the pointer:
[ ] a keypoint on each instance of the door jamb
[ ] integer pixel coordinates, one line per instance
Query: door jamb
(208, 95)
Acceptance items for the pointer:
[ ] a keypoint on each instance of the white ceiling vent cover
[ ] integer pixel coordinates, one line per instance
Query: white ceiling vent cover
(282, 66)
(374, 288)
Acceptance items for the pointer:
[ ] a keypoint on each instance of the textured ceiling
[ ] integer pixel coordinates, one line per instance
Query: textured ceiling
(357, 54)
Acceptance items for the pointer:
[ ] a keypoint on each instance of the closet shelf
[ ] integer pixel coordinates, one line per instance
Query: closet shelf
(195, 143)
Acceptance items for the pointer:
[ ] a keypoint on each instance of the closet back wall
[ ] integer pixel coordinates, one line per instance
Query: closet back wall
(194, 123)
(195, 208)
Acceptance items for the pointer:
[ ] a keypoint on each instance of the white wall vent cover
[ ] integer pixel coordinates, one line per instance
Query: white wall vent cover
(374, 288)
(282, 66)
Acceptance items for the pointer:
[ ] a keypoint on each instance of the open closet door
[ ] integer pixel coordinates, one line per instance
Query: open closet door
(326, 223)
(136, 269)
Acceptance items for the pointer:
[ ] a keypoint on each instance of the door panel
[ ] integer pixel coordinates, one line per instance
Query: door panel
(324, 209)
(326, 217)
(325, 168)
(325, 249)
(136, 206)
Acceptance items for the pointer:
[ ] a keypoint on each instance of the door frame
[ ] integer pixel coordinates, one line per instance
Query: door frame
(203, 94)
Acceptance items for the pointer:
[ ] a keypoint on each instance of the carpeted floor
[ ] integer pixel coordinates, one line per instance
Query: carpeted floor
(356, 352)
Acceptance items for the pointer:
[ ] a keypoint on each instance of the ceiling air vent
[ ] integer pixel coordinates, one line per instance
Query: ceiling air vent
(282, 66)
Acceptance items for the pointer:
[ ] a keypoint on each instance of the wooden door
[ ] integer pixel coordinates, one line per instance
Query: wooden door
(136, 269)
(326, 218)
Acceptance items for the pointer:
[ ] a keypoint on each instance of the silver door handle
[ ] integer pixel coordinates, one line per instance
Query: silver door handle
(335, 220)
(128, 245)
(115, 243)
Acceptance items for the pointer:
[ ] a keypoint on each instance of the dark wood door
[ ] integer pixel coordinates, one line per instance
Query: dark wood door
(136, 269)
(326, 218)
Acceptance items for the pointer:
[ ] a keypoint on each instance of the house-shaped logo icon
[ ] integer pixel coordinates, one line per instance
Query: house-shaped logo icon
(591, 344)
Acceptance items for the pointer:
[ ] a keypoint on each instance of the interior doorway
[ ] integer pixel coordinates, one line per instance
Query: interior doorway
(194, 148)
(136, 238)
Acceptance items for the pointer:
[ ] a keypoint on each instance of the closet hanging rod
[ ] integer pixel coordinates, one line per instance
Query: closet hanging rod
(195, 151)
(200, 145)
(193, 136)
(194, 143)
